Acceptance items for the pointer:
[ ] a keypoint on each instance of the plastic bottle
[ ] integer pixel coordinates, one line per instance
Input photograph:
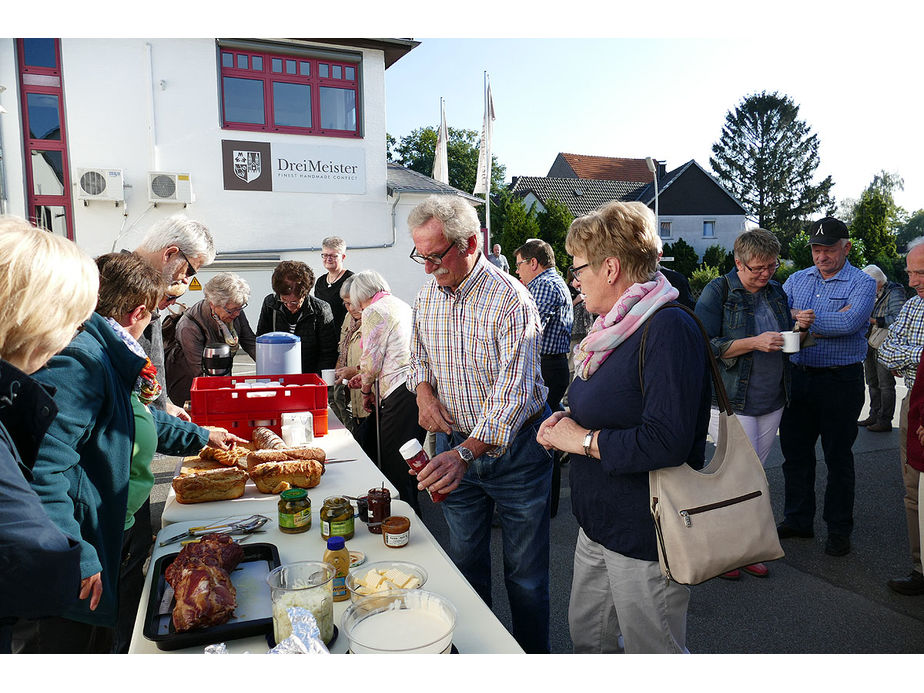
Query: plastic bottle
(338, 556)
(416, 457)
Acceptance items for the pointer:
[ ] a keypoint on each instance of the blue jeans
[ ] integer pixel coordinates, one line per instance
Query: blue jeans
(824, 403)
(518, 482)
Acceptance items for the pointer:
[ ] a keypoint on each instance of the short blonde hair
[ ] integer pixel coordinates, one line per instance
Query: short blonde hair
(48, 287)
(624, 230)
(756, 244)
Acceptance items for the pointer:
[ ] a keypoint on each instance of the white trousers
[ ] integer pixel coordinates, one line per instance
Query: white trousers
(761, 430)
(622, 604)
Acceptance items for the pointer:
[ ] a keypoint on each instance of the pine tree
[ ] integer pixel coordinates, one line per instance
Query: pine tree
(767, 158)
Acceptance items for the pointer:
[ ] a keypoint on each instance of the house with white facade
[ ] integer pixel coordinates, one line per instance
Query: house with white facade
(273, 144)
(690, 203)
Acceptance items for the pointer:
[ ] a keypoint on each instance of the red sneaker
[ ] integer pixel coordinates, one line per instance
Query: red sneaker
(757, 570)
(731, 575)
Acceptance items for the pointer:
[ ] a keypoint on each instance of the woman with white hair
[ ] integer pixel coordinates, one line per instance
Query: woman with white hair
(218, 318)
(386, 358)
(41, 565)
(328, 286)
(890, 297)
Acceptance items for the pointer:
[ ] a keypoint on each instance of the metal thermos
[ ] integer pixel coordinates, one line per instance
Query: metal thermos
(216, 359)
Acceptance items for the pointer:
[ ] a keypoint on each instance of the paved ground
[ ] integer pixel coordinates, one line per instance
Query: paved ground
(810, 603)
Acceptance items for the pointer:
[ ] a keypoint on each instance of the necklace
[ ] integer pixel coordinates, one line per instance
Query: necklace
(331, 283)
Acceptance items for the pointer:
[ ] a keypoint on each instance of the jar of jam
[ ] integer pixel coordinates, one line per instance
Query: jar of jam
(417, 458)
(336, 518)
(395, 531)
(379, 501)
(294, 511)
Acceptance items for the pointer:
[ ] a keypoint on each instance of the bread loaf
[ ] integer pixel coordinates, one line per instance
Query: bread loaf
(264, 456)
(306, 453)
(265, 439)
(229, 458)
(210, 485)
(276, 477)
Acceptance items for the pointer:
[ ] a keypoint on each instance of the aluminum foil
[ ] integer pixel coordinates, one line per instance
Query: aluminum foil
(305, 638)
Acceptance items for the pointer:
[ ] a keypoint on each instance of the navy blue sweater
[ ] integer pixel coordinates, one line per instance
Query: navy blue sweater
(665, 428)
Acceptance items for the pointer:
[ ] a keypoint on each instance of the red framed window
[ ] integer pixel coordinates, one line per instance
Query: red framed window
(48, 189)
(272, 92)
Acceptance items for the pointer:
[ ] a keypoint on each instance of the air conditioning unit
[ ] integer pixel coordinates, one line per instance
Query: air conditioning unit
(100, 184)
(169, 187)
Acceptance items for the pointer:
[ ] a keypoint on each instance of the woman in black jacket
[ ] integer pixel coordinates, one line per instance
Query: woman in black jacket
(39, 565)
(292, 309)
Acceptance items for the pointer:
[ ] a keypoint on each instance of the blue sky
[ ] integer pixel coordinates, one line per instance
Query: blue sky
(667, 98)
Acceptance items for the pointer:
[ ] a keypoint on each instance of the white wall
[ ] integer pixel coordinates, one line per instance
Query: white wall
(11, 133)
(690, 229)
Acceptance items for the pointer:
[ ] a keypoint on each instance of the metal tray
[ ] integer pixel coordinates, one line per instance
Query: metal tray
(252, 616)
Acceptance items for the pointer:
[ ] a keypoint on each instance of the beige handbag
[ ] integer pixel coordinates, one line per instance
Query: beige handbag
(719, 518)
(877, 335)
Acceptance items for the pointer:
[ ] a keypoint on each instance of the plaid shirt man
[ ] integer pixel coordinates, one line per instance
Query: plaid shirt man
(902, 349)
(554, 303)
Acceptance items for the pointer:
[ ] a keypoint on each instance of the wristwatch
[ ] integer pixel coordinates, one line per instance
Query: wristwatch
(465, 454)
(588, 441)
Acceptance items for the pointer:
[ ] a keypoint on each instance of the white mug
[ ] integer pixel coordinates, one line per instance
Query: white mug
(327, 375)
(791, 341)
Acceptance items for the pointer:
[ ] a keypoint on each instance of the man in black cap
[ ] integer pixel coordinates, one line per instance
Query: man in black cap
(827, 390)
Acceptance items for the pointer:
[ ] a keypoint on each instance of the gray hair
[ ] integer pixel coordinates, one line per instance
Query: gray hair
(458, 217)
(334, 243)
(366, 284)
(345, 287)
(225, 288)
(192, 238)
(876, 273)
(914, 243)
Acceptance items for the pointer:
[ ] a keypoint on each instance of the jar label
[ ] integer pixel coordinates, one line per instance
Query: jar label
(397, 539)
(340, 588)
(296, 520)
(340, 528)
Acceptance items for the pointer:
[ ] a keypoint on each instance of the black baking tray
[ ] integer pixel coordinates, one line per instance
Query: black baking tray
(253, 615)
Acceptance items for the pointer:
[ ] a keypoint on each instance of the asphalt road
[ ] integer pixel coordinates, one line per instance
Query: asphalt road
(810, 603)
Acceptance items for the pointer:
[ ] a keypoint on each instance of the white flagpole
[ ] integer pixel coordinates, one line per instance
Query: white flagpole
(487, 191)
(441, 158)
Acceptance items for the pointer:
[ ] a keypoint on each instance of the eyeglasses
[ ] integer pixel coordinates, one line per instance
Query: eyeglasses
(234, 311)
(764, 268)
(293, 304)
(521, 262)
(432, 259)
(574, 272)
(329, 256)
(190, 270)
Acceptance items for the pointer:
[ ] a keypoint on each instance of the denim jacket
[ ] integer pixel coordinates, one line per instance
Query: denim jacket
(727, 312)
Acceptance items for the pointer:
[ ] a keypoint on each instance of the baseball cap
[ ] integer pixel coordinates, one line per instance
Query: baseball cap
(827, 231)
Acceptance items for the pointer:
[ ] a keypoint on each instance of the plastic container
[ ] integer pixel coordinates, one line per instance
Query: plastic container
(279, 352)
(338, 556)
(405, 622)
(308, 584)
(358, 589)
(416, 457)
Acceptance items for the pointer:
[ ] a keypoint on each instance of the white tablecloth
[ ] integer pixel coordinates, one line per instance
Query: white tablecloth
(477, 629)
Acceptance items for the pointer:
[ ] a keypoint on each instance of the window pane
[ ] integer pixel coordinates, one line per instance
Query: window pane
(44, 123)
(243, 100)
(350, 73)
(292, 104)
(277, 64)
(305, 68)
(227, 60)
(709, 229)
(337, 72)
(290, 67)
(665, 229)
(256, 62)
(39, 52)
(338, 108)
(322, 69)
(47, 172)
(51, 218)
(242, 62)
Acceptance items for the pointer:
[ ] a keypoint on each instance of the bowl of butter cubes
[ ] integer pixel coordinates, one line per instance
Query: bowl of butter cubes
(383, 576)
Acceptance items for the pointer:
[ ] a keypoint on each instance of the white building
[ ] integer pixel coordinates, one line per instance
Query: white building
(272, 144)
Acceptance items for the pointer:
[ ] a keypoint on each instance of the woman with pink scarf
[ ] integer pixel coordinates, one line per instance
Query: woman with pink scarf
(622, 424)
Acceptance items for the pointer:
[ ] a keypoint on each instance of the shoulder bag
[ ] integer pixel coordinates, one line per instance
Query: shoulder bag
(877, 335)
(719, 518)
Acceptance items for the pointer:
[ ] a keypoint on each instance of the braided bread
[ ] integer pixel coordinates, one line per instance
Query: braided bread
(229, 458)
(265, 439)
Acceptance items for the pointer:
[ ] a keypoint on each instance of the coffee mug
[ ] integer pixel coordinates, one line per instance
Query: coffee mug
(327, 375)
(791, 341)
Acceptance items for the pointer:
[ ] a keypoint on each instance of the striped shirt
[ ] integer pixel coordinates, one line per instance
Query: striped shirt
(903, 347)
(840, 334)
(478, 348)
(554, 303)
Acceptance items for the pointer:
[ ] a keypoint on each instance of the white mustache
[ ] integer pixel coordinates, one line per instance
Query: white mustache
(441, 270)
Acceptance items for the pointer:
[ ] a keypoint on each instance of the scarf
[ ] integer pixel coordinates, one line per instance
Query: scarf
(228, 333)
(609, 331)
(146, 386)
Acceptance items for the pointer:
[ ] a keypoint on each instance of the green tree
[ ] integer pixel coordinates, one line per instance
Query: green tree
(685, 258)
(553, 228)
(716, 256)
(417, 151)
(800, 252)
(516, 224)
(909, 230)
(875, 218)
(702, 276)
(767, 158)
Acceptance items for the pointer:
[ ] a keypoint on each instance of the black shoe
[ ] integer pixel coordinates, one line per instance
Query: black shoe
(784, 531)
(868, 421)
(837, 545)
(911, 586)
(880, 427)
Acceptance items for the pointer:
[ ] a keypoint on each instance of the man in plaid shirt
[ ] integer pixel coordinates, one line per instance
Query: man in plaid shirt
(901, 351)
(475, 370)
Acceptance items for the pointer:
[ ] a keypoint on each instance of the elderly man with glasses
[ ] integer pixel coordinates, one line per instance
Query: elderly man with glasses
(475, 369)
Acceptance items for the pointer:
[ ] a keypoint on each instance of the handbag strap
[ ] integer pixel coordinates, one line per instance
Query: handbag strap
(721, 394)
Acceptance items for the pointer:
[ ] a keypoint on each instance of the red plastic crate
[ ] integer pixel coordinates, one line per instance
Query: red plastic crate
(217, 395)
(243, 425)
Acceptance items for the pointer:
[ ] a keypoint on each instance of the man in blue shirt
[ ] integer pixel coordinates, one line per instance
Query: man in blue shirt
(827, 386)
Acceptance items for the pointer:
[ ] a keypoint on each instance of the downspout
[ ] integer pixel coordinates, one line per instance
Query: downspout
(152, 123)
(3, 201)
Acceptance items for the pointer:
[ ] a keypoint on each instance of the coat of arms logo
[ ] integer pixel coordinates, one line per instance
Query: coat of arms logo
(247, 165)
